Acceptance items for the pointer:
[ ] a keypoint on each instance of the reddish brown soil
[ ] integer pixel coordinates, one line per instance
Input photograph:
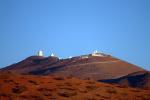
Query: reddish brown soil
(95, 68)
(28, 87)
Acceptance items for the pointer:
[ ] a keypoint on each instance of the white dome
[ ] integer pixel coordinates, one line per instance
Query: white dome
(52, 55)
(40, 53)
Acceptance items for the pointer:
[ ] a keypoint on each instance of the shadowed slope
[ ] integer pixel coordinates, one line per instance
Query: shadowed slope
(138, 79)
(31, 63)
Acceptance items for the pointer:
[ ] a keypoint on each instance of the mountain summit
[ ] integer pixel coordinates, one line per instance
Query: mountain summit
(96, 66)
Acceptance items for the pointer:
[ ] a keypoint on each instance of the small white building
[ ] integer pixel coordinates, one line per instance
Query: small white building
(40, 53)
(52, 55)
(96, 53)
(84, 56)
(70, 57)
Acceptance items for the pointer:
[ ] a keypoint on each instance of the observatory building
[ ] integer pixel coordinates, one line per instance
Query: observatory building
(40, 53)
(96, 53)
(52, 55)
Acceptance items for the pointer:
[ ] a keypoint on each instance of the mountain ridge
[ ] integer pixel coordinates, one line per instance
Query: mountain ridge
(98, 66)
(139, 79)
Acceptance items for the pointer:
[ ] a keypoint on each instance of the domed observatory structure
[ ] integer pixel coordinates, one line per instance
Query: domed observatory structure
(40, 53)
(52, 55)
(96, 53)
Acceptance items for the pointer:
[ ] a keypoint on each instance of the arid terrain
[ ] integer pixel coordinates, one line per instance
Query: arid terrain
(29, 87)
(139, 79)
(93, 67)
(83, 77)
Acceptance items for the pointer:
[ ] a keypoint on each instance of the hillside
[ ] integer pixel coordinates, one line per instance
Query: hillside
(139, 79)
(29, 87)
(85, 67)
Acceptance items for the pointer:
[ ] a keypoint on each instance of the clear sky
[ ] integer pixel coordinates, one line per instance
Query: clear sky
(74, 27)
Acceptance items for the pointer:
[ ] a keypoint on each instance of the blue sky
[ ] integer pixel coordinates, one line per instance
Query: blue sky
(74, 27)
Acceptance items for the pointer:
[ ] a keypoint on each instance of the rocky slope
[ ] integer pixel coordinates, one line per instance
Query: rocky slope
(139, 79)
(93, 67)
(29, 87)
